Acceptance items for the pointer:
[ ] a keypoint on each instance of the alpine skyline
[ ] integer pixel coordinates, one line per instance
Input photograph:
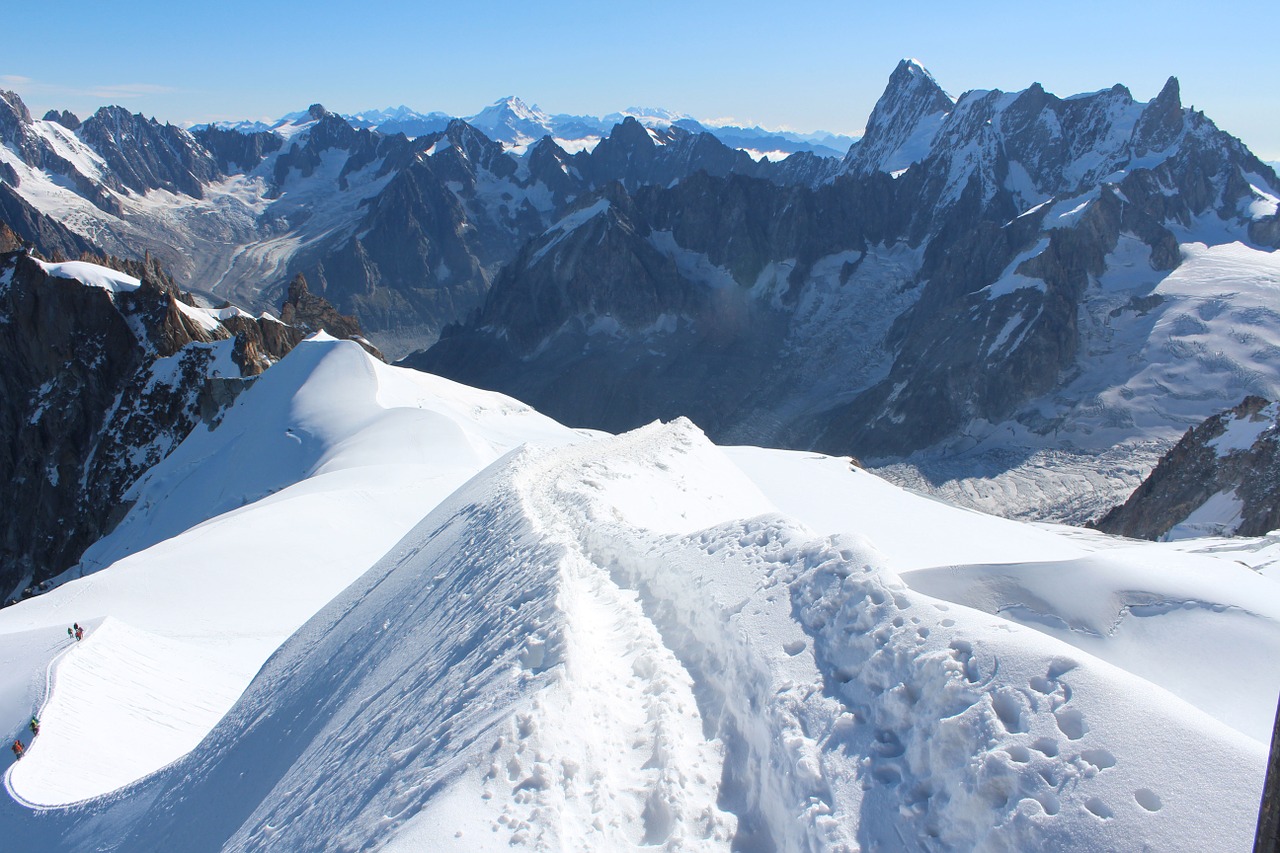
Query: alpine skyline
(819, 68)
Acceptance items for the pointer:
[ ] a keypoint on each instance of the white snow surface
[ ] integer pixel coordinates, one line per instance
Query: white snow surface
(339, 455)
(1219, 515)
(376, 609)
(1243, 432)
(92, 274)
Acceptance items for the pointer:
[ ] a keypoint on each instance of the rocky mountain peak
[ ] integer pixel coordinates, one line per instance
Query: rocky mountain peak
(470, 149)
(631, 131)
(311, 312)
(66, 118)
(13, 112)
(1161, 120)
(15, 124)
(147, 155)
(317, 111)
(903, 122)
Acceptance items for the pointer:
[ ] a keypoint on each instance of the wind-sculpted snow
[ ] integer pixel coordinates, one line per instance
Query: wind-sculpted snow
(621, 642)
(236, 540)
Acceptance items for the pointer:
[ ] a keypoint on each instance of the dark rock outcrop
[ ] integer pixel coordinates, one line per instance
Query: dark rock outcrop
(235, 151)
(1232, 458)
(986, 320)
(66, 118)
(146, 155)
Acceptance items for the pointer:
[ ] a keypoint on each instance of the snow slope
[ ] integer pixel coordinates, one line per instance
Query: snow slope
(339, 455)
(604, 642)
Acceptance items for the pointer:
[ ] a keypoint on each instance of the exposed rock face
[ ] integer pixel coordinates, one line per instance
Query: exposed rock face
(66, 118)
(903, 123)
(304, 310)
(102, 385)
(145, 155)
(939, 281)
(1223, 477)
(307, 312)
(406, 234)
(237, 152)
(38, 152)
(46, 235)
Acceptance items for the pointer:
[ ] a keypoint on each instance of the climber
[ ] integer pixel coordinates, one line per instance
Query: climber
(70, 633)
(34, 725)
(17, 749)
(79, 633)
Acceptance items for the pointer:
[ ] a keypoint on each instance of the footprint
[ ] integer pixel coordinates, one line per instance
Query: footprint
(888, 744)
(845, 674)
(1060, 667)
(1049, 802)
(1099, 808)
(1148, 799)
(1018, 753)
(1008, 707)
(964, 656)
(1047, 746)
(794, 647)
(887, 774)
(1071, 723)
(1099, 758)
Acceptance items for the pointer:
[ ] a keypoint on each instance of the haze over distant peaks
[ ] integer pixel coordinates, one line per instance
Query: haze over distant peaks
(517, 124)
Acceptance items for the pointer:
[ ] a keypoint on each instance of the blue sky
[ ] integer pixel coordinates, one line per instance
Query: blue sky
(800, 65)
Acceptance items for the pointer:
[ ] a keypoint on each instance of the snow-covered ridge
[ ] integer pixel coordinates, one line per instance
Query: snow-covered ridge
(517, 125)
(92, 275)
(603, 642)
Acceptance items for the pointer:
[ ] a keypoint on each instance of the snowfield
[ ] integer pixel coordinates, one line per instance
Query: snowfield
(376, 609)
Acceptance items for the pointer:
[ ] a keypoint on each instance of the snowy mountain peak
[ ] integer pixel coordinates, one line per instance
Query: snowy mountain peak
(516, 107)
(648, 116)
(1161, 121)
(904, 122)
(913, 67)
(512, 121)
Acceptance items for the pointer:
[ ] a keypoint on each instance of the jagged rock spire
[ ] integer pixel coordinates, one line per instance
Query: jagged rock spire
(1161, 121)
(903, 121)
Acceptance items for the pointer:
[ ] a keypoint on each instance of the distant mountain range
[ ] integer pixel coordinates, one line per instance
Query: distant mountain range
(982, 281)
(995, 294)
(517, 125)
